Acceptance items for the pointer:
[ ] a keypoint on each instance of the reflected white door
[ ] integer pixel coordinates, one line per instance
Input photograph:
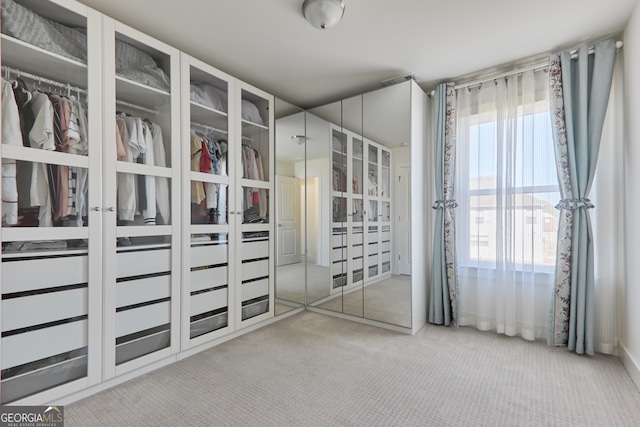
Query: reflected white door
(402, 203)
(287, 217)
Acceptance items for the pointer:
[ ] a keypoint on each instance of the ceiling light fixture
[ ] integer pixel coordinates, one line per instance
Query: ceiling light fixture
(299, 139)
(323, 14)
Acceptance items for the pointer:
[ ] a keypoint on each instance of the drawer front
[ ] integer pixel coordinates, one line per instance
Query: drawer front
(253, 270)
(140, 319)
(141, 290)
(209, 301)
(18, 313)
(254, 250)
(209, 255)
(139, 263)
(25, 275)
(209, 278)
(255, 289)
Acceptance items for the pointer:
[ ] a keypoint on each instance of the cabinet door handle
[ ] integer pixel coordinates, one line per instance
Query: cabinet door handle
(232, 212)
(96, 208)
(111, 209)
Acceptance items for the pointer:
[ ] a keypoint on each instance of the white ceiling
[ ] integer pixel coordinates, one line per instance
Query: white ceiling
(270, 45)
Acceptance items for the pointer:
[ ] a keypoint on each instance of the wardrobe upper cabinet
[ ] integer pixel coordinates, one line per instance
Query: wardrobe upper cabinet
(51, 238)
(209, 178)
(227, 271)
(253, 203)
(141, 190)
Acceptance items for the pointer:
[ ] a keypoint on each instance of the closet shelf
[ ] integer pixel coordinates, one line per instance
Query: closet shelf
(208, 229)
(19, 234)
(145, 246)
(35, 60)
(143, 231)
(29, 154)
(252, 183)
(247, 124)
(139, 94)
(44, 253)
(209, 177)
(198, 109)
(141, 169)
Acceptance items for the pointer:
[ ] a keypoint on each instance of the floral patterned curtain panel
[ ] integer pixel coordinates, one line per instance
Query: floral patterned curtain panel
(443, 304)
(579, 94)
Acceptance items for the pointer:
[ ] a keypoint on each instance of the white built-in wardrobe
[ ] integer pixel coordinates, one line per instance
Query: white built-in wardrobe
(164, 249)
(360, 210)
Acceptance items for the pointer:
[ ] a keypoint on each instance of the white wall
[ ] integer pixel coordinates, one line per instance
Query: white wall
(320, 168)
(284, 168)
(630, 315)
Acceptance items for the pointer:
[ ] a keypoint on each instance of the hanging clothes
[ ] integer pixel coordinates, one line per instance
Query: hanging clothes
(11, 135)
(126, 188)
(162, 183)
(197, 188)
(42, 136)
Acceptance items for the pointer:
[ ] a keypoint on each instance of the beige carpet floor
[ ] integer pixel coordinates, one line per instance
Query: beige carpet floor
(316, 370)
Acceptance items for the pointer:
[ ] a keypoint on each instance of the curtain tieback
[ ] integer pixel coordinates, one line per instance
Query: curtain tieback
(573, 204)
(445, 204)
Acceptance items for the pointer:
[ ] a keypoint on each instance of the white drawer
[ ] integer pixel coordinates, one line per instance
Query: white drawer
(19, 276)
(373, 248)
(253, 270)
(356, 238)
(141, 290)
(339, 240)
(338, 254)
(209, 255)
(209, 278)
(253, 250)
(139, 319)
(138, 263)
(255, 289)
(44, 308)
(35, 345)
(208, 301)
(357, 251)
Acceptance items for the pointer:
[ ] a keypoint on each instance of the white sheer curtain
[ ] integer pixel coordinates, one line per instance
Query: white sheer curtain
(607, 220)
(506, 190)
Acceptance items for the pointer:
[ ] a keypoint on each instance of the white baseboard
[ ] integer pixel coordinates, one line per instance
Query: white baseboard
(631, 365)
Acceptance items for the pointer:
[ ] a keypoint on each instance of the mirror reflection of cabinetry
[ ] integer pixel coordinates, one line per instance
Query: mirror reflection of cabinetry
(370, 163)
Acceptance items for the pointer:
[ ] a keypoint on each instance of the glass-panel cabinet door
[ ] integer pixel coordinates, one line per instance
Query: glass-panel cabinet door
(356, 235)
(51, 153)
(339, 208)
(206, 95)
(385, 181)
(142, 180)
(254, 150)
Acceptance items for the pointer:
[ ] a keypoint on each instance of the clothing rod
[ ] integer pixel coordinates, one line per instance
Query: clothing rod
(207, 127)
(533, 67)
(137, 107)
(40, 79)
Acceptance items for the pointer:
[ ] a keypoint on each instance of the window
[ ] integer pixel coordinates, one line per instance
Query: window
(506, 176)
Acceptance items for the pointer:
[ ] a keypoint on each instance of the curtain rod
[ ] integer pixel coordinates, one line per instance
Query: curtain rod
(533, 67)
